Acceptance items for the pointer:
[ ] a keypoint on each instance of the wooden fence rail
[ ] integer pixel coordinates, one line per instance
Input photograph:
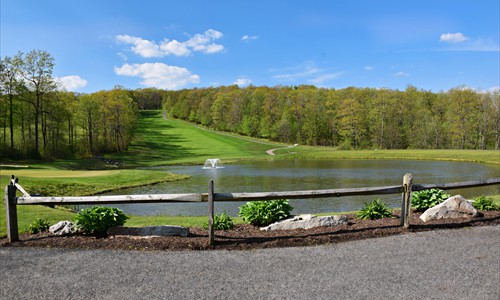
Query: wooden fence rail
(11, 200)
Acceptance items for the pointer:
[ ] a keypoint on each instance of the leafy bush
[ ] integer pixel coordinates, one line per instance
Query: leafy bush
(39, 225)
(484, 203)
(422, 200)
(222, 222)
(374, 210)
(263, 213)
(97, 219)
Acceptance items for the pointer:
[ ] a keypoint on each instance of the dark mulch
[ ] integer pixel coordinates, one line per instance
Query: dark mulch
(245, 237)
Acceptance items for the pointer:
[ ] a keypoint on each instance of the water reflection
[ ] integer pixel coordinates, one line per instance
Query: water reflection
(289, 175)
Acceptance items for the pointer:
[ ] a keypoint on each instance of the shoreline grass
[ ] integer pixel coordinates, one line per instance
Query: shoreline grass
(311, 152)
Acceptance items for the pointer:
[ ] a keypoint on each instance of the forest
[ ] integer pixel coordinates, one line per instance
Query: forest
(38, 119)
(348, 118)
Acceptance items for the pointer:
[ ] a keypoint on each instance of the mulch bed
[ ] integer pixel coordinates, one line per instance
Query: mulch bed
(247, 237)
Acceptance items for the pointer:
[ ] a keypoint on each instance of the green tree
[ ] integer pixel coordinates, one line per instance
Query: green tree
(9, 86)
(88, 116)
(464, 117)
(37, 69)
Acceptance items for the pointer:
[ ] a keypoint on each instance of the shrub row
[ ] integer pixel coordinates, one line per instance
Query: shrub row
(96, 220)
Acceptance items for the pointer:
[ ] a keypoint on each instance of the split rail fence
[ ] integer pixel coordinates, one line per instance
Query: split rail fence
(11, 199)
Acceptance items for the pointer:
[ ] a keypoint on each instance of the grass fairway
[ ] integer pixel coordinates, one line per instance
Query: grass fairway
(159, 141)
(84, 183)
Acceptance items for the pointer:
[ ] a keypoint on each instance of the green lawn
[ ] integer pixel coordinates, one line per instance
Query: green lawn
(309, 152)
(159, 141)
(51, 182)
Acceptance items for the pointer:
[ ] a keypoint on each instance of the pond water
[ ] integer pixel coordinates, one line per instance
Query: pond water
(290, 175)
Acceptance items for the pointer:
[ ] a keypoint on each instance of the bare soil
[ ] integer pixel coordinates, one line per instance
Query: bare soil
(247, 237)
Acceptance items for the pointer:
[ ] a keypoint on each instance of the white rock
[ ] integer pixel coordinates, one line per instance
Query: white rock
(149, 231)
(306, 222)
(62, 228)
(453, 207)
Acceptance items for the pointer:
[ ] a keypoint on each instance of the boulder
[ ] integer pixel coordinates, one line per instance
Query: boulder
(306, 222)
(453, 207)
(149, 231)
(63, 228)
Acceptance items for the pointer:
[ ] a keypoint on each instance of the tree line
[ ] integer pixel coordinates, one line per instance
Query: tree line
(348, 118)
(38, 119)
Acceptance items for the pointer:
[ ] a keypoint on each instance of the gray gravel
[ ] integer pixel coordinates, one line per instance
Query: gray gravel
(444, 264)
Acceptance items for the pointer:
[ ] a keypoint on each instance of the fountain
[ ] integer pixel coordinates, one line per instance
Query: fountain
(213, 163)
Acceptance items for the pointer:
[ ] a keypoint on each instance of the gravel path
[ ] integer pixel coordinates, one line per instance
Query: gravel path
(440, 264)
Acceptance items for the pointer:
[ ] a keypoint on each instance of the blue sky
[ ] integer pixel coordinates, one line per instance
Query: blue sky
(433, 45)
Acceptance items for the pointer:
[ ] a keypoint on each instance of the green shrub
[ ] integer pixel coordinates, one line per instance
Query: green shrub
(39, 225)
(484, 203)
(222, 222)
(263, 213)
(374, 210)
(422, 200)
(97, 219)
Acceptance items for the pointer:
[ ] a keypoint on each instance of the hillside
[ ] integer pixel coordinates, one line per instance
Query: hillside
(162, 141)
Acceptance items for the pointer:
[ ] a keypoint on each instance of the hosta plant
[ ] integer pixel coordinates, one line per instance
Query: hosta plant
(222, 222)
(484, 203)
(374, 210)
(263, 213)
(422, 200)
(38, 225)
(97, 219)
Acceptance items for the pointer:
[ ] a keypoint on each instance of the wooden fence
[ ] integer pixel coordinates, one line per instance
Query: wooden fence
(11, 199)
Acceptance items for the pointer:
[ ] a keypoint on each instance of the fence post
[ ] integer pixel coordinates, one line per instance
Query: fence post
(405, 208)
(11, 211)
(211, 238)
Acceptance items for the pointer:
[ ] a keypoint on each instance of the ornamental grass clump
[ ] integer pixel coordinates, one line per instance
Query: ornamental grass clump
(263, 213)
(425, 199)
(484, 203)
(97, 219)
(374, 210)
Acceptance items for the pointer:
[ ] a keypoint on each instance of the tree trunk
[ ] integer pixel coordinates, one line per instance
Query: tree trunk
(11, 123)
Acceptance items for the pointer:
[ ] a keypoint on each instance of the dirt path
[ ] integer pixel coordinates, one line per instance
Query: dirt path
(271, 151)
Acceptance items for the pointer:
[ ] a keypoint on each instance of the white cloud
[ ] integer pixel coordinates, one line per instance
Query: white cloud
(453, 37)
(158, 75)
(122, 56)
(369, 68)
(325, 77)
(202, 42)
(242, 82)
(460, 43)
(199, 42)
(248, 38)
(174, 47)
(306, 72)
(71, 83)
(494, 89)
(140, 46)
(401, 74)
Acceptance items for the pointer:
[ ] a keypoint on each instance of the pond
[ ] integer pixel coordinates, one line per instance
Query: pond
(290, 175)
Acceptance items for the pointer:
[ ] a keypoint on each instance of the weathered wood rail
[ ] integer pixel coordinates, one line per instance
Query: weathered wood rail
(11, 199)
